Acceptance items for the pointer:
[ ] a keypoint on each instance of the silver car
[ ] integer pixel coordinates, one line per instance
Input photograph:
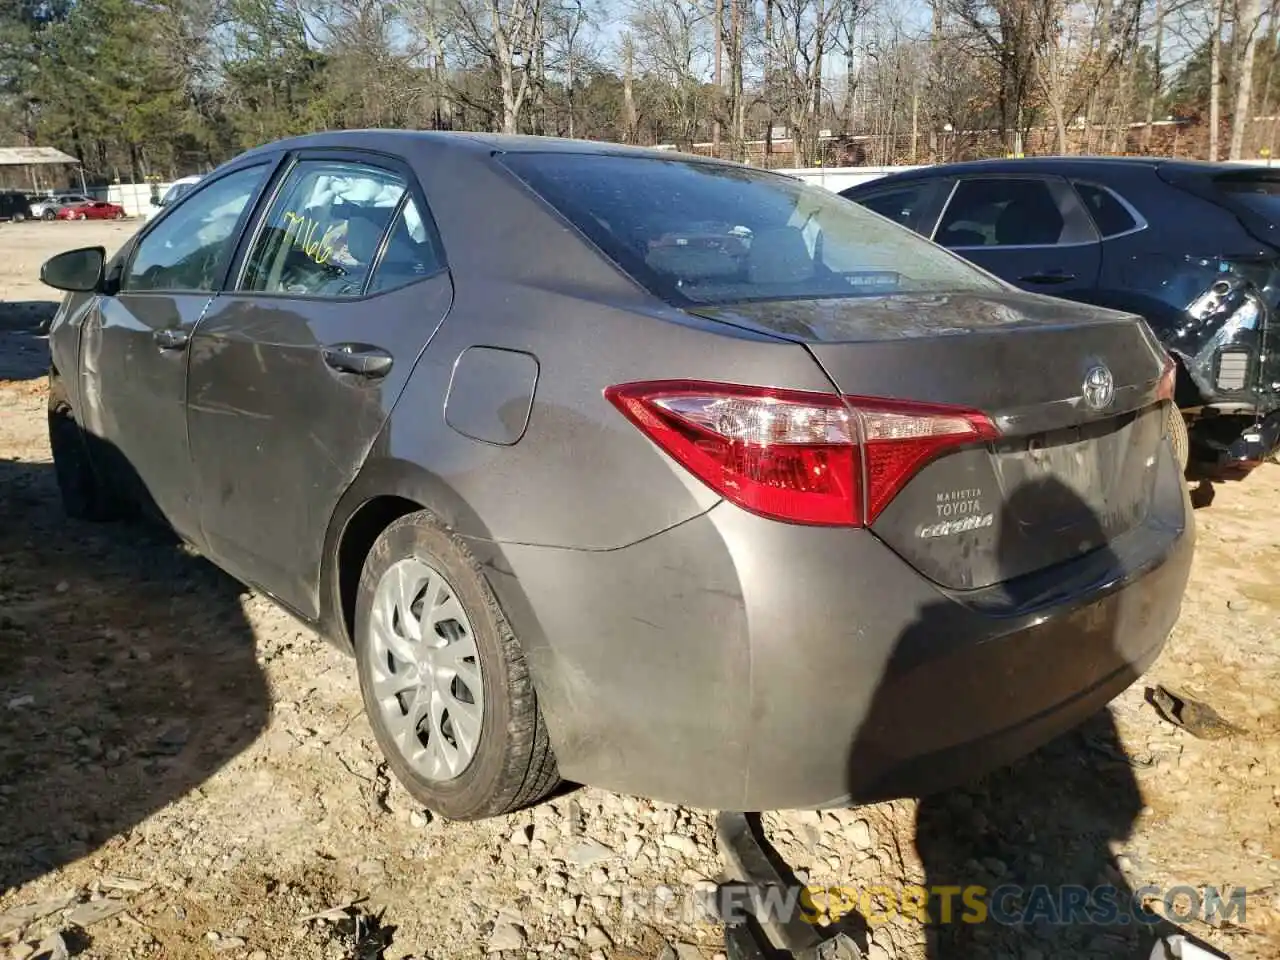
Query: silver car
(47, 209)
(657, 473)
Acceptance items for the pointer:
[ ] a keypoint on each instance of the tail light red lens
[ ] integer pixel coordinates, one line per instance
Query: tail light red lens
(794, 455)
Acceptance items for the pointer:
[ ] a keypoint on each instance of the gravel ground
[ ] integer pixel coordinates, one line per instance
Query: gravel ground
(186, 772)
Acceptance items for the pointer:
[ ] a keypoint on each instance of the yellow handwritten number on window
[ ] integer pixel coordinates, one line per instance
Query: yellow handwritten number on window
(301, 232)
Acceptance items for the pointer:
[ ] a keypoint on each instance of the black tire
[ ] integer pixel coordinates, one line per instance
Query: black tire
(49, 215)
(19, 217)
(1176, 427)
(514, 765)
(84, 495)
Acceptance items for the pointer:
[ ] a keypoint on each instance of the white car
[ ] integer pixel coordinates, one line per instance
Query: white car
(176, 189)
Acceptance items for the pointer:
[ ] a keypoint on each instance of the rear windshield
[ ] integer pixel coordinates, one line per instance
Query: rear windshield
(1262, 196)
(712, 233)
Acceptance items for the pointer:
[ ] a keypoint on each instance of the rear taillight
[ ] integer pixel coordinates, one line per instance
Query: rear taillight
(794, 455)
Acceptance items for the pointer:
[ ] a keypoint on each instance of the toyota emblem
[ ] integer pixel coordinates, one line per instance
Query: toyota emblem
(1099, 387)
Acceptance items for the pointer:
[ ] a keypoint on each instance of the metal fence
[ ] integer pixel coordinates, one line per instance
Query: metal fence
(1184, 139)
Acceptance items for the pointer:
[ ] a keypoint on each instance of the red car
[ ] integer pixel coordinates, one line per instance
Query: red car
(93, 210)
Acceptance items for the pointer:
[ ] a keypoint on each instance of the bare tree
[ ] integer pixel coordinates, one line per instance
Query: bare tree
(1014, 34)
(1244, 48)
(628, 88)
(846, 41)
(1215, 78)
(369, 76)
(737, 110)
(802, 33)
(1157, 68)
(516, 40)
(565, 28)
(673, 43)
(1068, 34)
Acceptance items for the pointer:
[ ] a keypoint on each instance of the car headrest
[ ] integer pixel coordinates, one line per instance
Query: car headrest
(1029, 220)
(692, 262)
(365, 226)
(779, 255)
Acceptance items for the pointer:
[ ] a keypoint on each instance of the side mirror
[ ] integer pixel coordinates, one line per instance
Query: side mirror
(79, 271)
(155, 202)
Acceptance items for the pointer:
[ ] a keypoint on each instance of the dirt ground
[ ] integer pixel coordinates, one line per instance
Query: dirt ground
(186, 772)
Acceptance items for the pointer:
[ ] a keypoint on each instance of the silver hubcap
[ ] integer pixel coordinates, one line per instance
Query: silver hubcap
(425, 670)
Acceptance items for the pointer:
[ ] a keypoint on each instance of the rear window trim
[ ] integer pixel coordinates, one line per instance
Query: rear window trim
(650, 281)
(926, 219)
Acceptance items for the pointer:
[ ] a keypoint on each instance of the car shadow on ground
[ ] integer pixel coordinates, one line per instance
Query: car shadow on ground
(1026, 839)
(127, 676)
(24, 353)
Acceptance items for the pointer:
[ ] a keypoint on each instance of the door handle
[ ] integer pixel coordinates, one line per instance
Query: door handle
(359, 358)
(171, 339)
(1048, 277)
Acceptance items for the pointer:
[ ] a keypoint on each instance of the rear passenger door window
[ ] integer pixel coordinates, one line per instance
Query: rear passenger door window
(324, 230)
(1032, 231)
(1013, 212)
(411, 253)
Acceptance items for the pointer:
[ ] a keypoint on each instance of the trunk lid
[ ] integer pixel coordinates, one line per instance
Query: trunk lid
(1073, 468)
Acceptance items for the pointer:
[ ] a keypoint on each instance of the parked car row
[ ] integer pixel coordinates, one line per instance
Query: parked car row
(17, 207)
(1194, 248)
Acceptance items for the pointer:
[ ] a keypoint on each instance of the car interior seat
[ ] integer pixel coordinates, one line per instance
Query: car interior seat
(1030, 220)
(779, 255)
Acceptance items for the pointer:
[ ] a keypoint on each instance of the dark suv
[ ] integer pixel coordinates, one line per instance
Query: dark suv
(1193, 247)
(14, 206)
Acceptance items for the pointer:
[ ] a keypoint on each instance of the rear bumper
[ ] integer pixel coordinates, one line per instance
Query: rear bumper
(738, 663)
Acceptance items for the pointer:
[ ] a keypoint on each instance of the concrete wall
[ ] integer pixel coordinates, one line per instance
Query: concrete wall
(134, 197)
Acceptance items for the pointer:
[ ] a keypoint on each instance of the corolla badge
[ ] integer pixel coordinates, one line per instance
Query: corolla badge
(1099, 387)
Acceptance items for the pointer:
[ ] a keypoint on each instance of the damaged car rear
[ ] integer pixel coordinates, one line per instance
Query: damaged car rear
(1192, 247)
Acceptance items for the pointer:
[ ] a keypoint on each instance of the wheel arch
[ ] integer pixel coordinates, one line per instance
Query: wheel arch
(384, 490)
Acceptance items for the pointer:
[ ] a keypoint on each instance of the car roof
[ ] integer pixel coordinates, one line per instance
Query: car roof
(478, 143)
(1066, 166)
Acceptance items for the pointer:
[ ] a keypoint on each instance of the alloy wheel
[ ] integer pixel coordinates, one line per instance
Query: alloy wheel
(425, 670)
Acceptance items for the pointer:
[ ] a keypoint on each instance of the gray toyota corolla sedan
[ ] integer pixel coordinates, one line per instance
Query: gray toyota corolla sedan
(667, 475)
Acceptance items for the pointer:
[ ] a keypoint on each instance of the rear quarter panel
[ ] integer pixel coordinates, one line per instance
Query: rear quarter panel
(580, 476)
